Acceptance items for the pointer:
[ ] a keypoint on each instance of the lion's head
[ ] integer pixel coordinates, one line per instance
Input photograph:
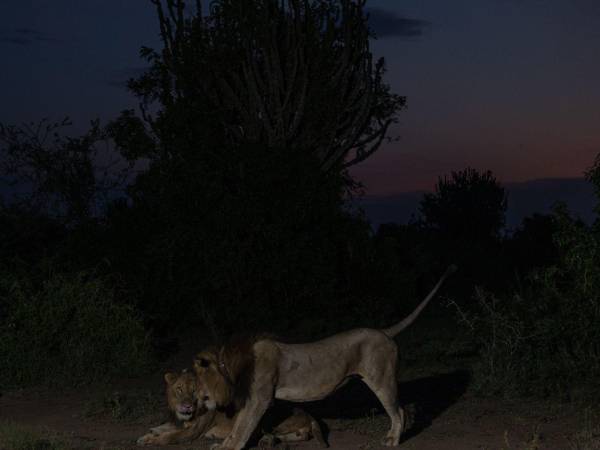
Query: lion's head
(225, 374)
(214, 387)
(182, 394)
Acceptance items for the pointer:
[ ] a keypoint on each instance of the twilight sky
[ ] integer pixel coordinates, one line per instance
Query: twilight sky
(507, 85)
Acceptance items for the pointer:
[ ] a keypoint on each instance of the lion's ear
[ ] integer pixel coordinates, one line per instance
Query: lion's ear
(170, 378)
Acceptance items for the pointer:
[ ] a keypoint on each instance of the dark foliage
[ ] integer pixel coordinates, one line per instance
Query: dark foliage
(468, 205)
(293, 75)
(545, 339)
(532, 245)
(58, 329)
(257, 110)
(462, 221)
(237, 218)
(62, 177)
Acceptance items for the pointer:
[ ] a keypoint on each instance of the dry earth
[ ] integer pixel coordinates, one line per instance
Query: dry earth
(442, 416)
(443, 412)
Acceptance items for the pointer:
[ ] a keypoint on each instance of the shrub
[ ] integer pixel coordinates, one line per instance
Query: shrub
(17, 437)
(66, 329)
(545, 340)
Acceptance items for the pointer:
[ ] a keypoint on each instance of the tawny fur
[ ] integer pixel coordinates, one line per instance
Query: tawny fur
(303, 372)
(217, 424)
(181, 389)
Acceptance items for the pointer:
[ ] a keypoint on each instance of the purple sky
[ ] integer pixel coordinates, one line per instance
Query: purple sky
(507, 85)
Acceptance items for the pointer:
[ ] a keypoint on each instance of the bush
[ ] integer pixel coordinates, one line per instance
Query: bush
(17, 437)
(545, 340)
(66, 329)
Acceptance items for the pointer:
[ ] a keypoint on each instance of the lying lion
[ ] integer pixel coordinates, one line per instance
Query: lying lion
(251, 373)
(189, 422)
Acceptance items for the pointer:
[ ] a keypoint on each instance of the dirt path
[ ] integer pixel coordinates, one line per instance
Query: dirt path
(442, 416)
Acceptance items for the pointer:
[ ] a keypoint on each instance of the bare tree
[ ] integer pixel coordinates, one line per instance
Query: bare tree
(65, 177)
(291, 74)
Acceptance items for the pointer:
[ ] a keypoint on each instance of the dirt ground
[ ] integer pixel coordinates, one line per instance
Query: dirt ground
(434, 388)
(443, 415)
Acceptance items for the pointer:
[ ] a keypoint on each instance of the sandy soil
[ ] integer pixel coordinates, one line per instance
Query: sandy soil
(442, 416)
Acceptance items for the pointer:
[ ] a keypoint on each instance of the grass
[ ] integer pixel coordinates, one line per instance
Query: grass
(67, 330)
(374, 426)
(532, 443)
(18, 437)
(588, 437)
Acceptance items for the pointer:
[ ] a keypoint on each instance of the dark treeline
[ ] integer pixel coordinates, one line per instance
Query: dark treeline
(225, 205)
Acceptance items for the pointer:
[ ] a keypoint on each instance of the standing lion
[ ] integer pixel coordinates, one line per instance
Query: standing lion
(251, 373)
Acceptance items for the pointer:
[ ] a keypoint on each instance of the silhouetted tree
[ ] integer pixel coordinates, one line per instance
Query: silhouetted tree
(593, 176)
(467, 205)
(532, 244)
(293, 74)
(462, 219)
(251, 115)
(60, 176)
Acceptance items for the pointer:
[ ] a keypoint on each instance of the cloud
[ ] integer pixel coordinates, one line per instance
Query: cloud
(120, 77)
(386, 23)
(25, 36)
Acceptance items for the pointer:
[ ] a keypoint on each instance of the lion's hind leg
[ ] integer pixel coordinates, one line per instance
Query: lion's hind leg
(269, 440)
(296, 436)
(388, 400)
(385, 388)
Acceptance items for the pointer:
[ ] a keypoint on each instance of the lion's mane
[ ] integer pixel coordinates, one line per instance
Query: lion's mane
(228, 370)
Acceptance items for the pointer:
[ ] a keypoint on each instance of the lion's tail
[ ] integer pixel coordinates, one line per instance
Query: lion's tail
(395, 329)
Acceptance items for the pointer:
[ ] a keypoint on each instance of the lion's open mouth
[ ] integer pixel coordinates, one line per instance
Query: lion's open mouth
(185, 410)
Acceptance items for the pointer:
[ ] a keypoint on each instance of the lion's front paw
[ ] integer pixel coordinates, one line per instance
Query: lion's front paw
(267, 442)
(147, 439)
(219, 447)
(390, 441)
